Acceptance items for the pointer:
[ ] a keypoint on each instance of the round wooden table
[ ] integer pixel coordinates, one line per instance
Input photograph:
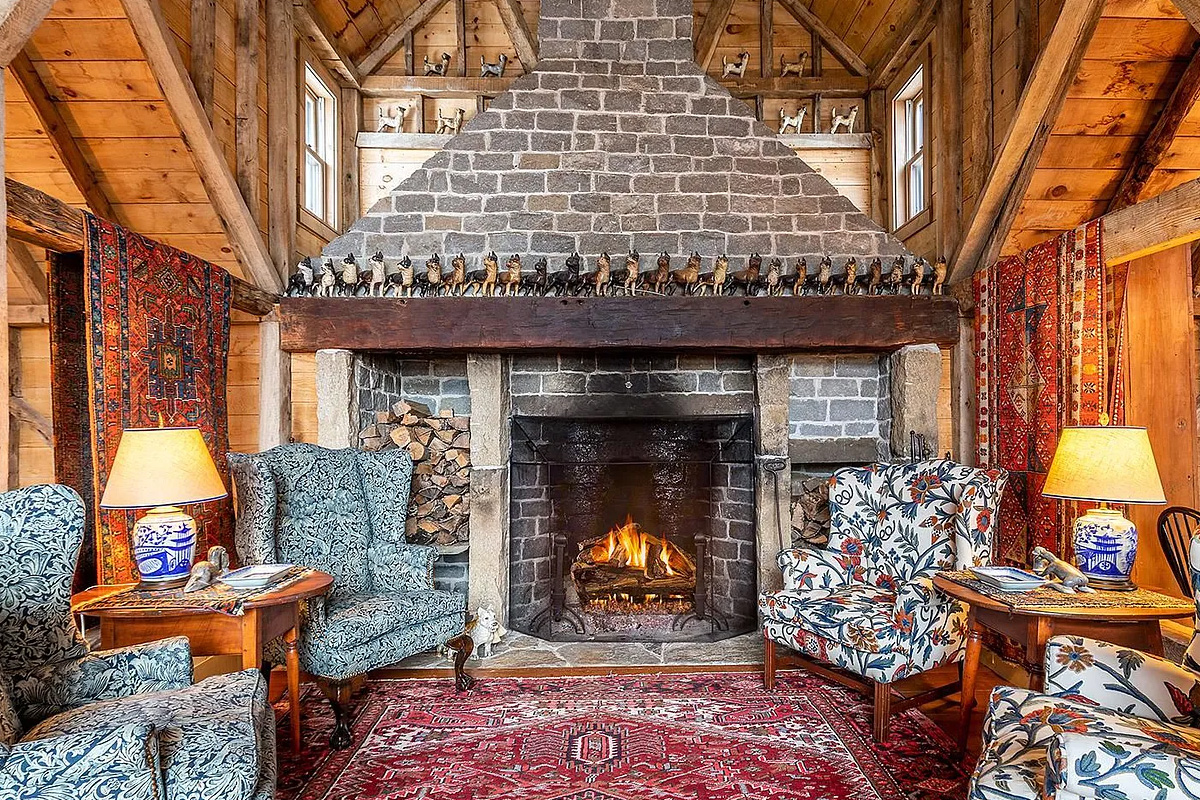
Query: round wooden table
(211, 633)
(1137, 626)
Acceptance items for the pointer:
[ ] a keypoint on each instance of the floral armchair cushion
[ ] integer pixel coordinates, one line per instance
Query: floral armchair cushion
(1114, 723)
(118, 762)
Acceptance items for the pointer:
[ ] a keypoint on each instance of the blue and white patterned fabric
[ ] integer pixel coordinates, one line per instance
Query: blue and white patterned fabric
(1114, 723)
(344, 512)
(114, 723)
(867, 602)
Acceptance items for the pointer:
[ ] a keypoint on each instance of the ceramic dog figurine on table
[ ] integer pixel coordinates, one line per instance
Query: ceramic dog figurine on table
(1050, 566)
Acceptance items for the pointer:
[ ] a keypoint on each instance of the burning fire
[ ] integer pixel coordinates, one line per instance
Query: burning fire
(629, 546)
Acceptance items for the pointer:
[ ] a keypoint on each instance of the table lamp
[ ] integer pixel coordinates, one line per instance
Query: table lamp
(161, 469)
(1108, 464)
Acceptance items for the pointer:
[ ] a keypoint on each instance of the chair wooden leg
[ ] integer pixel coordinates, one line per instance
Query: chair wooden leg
(338, 693)
(882, 712)
(768, 662)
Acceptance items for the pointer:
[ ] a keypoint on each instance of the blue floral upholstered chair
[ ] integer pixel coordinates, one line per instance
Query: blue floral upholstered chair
(1113, 723)
(344, 512)
(866, 604)
(125, 723)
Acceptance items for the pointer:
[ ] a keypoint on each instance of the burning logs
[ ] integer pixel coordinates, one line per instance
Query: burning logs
(633, 563)
(440, 500)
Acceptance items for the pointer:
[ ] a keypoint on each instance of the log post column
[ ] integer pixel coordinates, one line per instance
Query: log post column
(772, 467)
(337, 399)
(491, 415)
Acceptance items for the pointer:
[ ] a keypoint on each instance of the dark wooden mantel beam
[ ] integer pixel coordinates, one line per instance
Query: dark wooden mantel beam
(531, 324)
(39, 219)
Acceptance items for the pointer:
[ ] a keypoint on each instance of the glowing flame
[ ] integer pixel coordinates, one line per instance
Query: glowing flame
(629, 546)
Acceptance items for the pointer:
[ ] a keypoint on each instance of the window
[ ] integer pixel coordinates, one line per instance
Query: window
(910, 192)
(320, 119)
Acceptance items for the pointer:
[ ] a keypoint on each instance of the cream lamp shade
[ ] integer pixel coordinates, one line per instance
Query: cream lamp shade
(1112, 464)
(162, 467)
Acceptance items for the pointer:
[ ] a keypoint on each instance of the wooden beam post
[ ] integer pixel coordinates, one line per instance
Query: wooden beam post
(385, 46)
(877, 117)
(282, 133)
(950, 136)
(910, 35)
(460, 36)
(766, 38)
(18, 20)
(1027, 38)
(246, 102)
(1160, 223)
(982, 87)
(522, 39)
(1037, 109)
(203, 49)
(158, 45)
(1190, 10)
(275, 386)
(55, 126)
(842, 51)
(351, 113)
(705, 42)
(6, 477)
(312, 25)
(27, 272)
(1161, 137)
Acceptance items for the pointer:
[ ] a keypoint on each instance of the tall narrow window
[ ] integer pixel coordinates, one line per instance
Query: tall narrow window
(910, 193)
(320, 119)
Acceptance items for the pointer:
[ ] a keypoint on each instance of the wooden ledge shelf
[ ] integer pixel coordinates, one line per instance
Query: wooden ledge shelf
(547, 324)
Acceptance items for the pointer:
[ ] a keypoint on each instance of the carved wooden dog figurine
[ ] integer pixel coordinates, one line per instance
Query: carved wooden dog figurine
(566, 280)
(599, 281)
(737, 68)
(378, 275)
(451, 124)
(794, 68)
(793, 122)
(800, 284)
(496, 70)
(896, 275)
(347, 281)
(510, 281)
(825, 276)
(403, 279)
(844, 120)
(660, 278)
(875, 282)
(457, 279)
(747, 279)
(483, 281)
(301, 283)
(632, 272)
(391, 118)
(850, 286)
(688, 277)
(774, 278)
(939, 276)
(438, 68)
(917, 277)
(431, 281)
(714, 282)
(538, 282)
(328, 282)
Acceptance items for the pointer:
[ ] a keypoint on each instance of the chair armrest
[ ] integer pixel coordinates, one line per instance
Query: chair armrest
(1107, 765)
(86, 765)
(103, 675)
(402, 567)
(930, 625)
(1119, 678)
(810, 570)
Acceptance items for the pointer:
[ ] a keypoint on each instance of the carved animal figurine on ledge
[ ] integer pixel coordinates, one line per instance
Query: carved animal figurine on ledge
(850, 280)
(483, 281)
(747, 279)
(496, 70)
(714, 282)
(300, 284)
(327, 284)
(793, 68)
(659, 278)
(773, 282)
(599, 281)
(510, 281)
(1050, 566)
(918, 277)
(735, 68)
(632, 272)
(378, 278)
(347, 281)
(566, 280)
(438, 68)
(939, 276)
(536, 283)
(451, 124)
(431, 281)
(689, 277)
(896, 276)
(456, 281)
(205, 573)
(875, 281)
(402, 280)
(800, 285)
(391, 118)
(844, 120)
(793, 122)
(825, 276)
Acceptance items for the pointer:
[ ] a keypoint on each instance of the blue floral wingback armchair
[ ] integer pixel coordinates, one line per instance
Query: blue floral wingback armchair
(866, 604)
(344, 512)
(121, 723)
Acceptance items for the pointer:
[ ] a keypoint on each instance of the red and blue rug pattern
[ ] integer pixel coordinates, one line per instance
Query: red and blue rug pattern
(697, 736)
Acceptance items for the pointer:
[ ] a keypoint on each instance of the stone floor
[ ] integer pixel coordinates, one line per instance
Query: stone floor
(521, 651)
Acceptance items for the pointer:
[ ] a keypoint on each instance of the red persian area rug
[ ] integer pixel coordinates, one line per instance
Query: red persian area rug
(710, 736)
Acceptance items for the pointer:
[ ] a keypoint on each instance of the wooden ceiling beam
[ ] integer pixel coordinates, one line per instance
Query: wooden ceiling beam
(312, 26)
(18, 20)
(28, 316)
(24, 266)
(158, 45)
(904, 45)
(518, 32)
(1038, 108)
(1190, 10)
(1151, 226)
(390, 85)
(39, 219)
(1161, 137)
(705, 42)
(842, 51)
(47, 110)
(386, 44)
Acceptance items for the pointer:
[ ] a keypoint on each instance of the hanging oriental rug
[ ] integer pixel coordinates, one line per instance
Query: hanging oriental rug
(697, 736)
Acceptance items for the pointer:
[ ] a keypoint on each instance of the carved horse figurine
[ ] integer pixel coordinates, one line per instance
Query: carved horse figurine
(793, 68)
(402, 280)
(747, 279)
(457, 279)
(825, 276)
(918, 276)
(895, 277)
(496, 70)
(774, 278)
(714, 282)
(510, 281)
(850, 285)
(378, 275)
(329, 279)
(347, 281)
(794, 122)
(688, 277)
(737, 68)
(483, 281)
(939, 276)
(437, 68)
(875, 281)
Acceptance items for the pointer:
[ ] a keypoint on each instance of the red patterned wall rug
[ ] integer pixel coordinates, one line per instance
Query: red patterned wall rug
(698, 736)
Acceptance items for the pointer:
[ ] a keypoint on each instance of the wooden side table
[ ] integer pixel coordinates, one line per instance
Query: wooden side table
(212, 633)
(1131, 626)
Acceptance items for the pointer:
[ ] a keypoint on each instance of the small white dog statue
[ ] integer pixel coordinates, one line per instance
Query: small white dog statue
(487, 631)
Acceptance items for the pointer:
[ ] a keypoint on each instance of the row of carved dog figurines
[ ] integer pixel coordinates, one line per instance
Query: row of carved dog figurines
(773, 280)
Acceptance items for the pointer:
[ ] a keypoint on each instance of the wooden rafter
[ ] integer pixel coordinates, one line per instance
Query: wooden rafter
(980, 25)
(844, 52)
(158, 45)
(909, 37)
(386, 45)
(1151, 226)
(39, 219)
(203, 47)
(705, 43)
(52, 122)
(1038, 108)
(1190, 10)
(22, 264)
(245, 123)
(282, 133)
(518, 32)
(766, 37)
(18, 20)
(312, 26)
(28, 316)
(1161, 137)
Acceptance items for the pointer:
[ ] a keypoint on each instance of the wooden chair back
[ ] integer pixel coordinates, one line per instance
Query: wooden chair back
(1176, 527)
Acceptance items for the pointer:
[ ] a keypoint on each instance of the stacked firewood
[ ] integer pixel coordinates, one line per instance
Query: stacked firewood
(440, 446)
(810, 513)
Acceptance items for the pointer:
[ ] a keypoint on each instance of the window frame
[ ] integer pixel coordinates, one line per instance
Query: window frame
(316, 84)
(898, 95)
